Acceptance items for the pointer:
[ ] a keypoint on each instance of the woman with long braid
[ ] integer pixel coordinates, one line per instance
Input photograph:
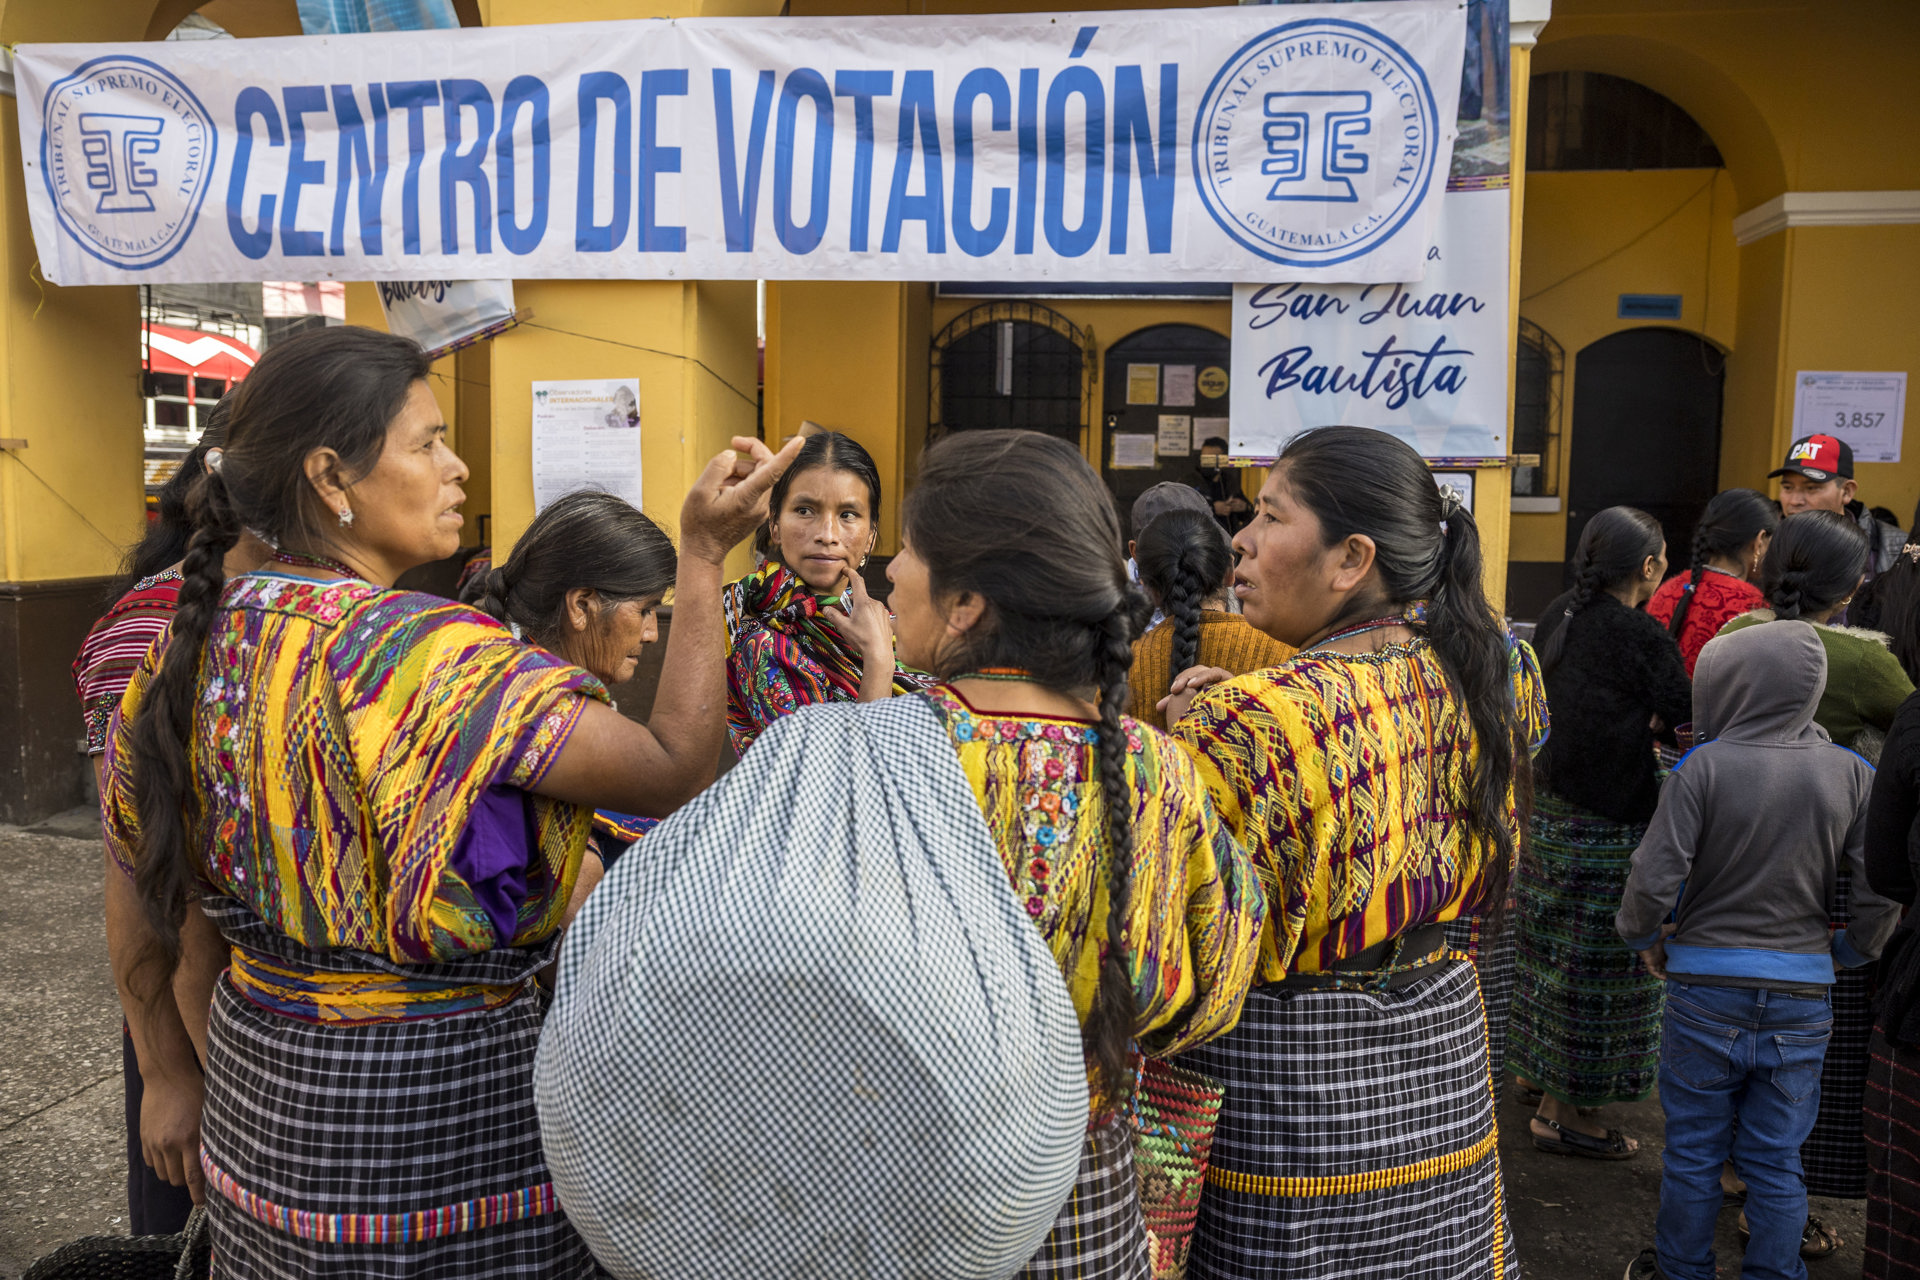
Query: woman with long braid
(1585, 1025)
(1728, 544)
(1379, 779)
(1186, 566)
(1012, 588)
(381, 799)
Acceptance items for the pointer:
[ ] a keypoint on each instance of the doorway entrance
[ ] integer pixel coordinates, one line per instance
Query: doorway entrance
(1646, 431)
(1189, 380)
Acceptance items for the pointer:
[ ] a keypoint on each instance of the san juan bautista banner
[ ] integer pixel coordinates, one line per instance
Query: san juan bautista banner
(1301, 143)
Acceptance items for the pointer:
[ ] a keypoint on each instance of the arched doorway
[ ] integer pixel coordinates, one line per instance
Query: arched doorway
(1198, 359)
(1010, 364)
(1646, 430)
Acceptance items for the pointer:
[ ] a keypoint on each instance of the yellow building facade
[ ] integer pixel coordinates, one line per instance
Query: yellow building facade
(1799, 250)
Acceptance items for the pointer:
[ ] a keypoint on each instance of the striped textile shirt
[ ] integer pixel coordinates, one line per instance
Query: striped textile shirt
(112, 651)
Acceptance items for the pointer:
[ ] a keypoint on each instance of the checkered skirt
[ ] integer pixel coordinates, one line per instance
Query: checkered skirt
(1357, 1139)
(314, 1133)
(1100, 1234)
(1494, 962)
(1834, 1155)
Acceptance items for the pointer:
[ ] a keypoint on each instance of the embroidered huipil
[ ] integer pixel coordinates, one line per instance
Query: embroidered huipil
(361, 758)
(1345, 775)
(783, 655)
(112, 651)
(1195, 914)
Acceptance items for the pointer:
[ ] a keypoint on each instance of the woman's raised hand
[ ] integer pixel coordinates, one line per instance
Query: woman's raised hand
(865, 625)
(729, 500)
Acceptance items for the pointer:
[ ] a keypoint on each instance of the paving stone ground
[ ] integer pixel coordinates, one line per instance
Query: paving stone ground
(62, 1153)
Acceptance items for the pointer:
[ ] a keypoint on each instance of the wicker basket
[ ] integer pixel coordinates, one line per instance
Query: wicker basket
(187, 1256)
(1173, 1115)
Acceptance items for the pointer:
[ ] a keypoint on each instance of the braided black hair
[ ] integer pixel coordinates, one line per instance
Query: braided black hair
(334, 388)
(1613, 548)
(598, 541)
(1019, 519)
(1184, 557)
(1732, 519)
(1815, 561)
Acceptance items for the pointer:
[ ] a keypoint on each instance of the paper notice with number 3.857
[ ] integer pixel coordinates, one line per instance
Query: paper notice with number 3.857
(1863, 409)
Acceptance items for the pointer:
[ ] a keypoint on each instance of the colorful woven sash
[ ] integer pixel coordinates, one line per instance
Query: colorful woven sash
(311, 995)
(382, 1228)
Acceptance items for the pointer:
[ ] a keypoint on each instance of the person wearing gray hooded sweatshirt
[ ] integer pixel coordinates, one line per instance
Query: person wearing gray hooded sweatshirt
(1727, 901)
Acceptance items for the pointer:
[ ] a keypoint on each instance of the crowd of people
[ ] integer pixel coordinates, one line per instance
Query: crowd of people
(1181, 899)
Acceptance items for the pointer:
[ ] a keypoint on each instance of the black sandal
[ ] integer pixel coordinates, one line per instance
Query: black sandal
(1572, 1142)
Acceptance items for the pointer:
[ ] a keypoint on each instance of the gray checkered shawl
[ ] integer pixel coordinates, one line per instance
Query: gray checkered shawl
(803, 1029)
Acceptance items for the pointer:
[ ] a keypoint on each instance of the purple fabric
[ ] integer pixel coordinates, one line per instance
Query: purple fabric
(492, 854)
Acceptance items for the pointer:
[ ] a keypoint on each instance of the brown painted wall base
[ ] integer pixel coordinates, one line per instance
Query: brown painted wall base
(43, 763)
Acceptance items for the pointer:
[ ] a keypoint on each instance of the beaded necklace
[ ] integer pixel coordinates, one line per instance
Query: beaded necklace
(301, 560)
(1010, 675)
(1360, 628)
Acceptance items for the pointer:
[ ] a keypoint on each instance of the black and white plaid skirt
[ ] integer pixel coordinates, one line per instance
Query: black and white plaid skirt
(1100, 1233)
(393, 1149)
(1357, 1139)
(1494, 960)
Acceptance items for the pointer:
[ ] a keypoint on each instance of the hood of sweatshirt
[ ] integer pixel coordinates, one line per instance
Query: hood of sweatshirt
(1760, 684)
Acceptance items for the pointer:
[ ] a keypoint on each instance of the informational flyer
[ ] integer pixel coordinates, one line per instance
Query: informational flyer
(1143, 384)
(1177, 389)
(586, 435)
(1205, 429)
(1176, 435)
(1133, 450)
(1864, 409)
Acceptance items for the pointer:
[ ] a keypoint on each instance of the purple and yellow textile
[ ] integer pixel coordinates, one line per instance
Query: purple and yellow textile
(783, 655)
(1196, 910)
(1343, 776)
(361, 758)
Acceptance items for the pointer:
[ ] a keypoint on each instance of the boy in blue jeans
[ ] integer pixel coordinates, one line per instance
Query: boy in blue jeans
(1742, 854)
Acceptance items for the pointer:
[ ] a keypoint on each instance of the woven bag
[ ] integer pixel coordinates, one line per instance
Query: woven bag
(1173, 1115)
(186, 1256)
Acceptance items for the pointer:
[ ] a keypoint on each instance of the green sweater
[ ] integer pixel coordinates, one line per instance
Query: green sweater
(1865, 684)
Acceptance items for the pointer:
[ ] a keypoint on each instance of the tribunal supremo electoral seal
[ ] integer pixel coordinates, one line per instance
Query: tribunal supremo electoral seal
(127, 154)
(1316, 142)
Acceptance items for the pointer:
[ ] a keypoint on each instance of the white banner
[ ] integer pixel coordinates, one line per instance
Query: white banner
(1247, 144)
(1428, 361)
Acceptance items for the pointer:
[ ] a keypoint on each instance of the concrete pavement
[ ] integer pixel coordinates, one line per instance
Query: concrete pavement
(62, 1154)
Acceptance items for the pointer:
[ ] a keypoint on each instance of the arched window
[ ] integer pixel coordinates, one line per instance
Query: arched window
(1538, 366)
(1585, 120)
(1010, 364)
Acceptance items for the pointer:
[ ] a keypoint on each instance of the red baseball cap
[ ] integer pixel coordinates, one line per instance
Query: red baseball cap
(1818, 458)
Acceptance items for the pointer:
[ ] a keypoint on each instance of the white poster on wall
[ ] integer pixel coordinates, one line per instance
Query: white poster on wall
(1864, 409)
(586, 435)
(1303, 142)
(1427, 361)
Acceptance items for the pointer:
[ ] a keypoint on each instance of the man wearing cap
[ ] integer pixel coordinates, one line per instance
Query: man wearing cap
(1818, 476)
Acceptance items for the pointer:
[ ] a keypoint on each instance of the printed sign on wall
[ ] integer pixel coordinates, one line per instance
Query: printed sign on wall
(1253, 144)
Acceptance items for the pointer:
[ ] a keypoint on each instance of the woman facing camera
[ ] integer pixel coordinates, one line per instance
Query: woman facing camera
(1377, 779)
(801, 629)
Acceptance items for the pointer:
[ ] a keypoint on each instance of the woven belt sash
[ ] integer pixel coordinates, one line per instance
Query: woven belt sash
(1347, 1184)
(382, 1228)
(311, 995)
